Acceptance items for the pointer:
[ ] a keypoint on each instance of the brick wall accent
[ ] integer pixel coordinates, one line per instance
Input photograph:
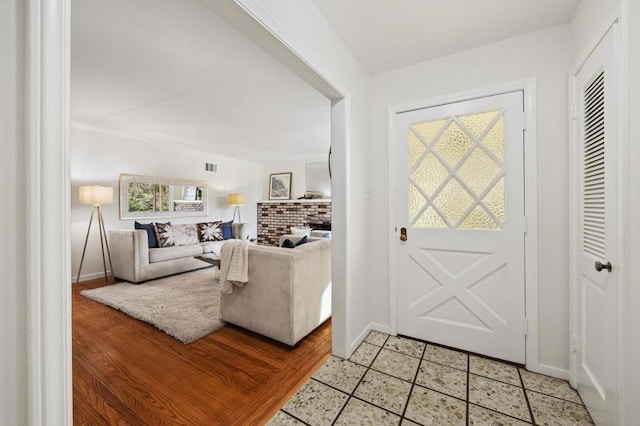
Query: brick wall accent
(276, 219)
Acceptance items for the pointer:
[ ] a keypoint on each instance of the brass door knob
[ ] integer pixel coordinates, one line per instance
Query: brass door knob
(403, 234)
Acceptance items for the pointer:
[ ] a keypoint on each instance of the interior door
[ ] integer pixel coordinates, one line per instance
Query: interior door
(596, 350)
(460, 210)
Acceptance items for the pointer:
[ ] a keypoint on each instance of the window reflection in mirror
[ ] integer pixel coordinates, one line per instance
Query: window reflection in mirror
(156, 197)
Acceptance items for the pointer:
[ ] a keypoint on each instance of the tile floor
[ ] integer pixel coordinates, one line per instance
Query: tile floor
(398, 381)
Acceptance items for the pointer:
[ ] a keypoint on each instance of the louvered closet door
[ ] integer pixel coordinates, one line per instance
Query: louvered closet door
(596, 287)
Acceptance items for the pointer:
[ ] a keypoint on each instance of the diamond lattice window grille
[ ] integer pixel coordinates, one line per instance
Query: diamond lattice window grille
(456, 172)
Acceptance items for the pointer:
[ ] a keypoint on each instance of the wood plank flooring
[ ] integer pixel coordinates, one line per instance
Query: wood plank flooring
(126, 371)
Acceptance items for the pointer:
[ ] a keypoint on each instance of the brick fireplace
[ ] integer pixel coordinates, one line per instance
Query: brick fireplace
(275, 218)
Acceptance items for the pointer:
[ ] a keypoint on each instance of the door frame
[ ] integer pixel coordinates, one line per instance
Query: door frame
(528, 86)
(622, 206)
(46, 95)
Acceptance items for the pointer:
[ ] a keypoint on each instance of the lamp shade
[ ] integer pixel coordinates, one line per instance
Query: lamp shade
(95, 195)
(236, 199)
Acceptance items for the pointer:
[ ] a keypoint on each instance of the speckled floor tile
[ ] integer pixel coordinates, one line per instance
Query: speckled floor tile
(479, 416)
(406, 422)
(384, 391)
(445, 356)
(405, 346)
(358, 412)
(365, 354)
(340, 373)
(376, 338)
(494, 370)
(549, 386)
(498, 396)
(432, 408)
(548, 410)
(283, 419)
(444, 379)
(316, 403)
(396, 364)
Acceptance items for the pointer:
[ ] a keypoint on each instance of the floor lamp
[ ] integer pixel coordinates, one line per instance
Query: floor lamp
(236, 200)
(96, 196)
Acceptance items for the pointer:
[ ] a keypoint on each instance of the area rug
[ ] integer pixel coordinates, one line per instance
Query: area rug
(185, 306)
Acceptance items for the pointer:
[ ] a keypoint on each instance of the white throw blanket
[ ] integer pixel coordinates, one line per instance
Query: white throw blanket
(234, 265)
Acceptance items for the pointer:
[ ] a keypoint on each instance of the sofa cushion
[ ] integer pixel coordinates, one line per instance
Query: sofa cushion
(210, 231)
(185, 234)
(164, 234)
(214, 247)
(175, 252)
(151, 232)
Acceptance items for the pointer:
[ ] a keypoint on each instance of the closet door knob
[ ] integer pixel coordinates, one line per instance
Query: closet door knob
(600, 266)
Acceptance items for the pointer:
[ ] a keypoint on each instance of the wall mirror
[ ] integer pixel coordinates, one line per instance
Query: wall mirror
(317, 179)
(149, 197)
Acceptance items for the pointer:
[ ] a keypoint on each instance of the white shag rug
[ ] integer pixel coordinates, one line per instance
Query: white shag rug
(185, 306)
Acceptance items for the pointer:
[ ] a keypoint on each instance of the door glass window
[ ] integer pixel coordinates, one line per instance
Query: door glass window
(456, 172)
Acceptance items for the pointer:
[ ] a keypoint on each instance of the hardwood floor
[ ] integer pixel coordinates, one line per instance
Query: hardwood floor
(126, 371)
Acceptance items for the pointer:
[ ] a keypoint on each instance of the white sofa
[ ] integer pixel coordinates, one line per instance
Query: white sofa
(133, 260)
(288, 293)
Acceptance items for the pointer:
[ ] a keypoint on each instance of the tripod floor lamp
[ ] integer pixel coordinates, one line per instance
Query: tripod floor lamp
(236, 199)
(96, 196)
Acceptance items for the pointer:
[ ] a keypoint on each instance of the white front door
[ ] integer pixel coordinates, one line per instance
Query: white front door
(596, 293)
(460, 204)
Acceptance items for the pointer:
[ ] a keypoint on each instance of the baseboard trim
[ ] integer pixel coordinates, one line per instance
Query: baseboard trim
(371, 327)
(354, 345)
(559, 373)
(89, 277)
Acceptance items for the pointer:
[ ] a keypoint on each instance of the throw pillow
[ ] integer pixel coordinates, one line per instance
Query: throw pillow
(226, 228)
(185, 234)
(164, 234)
(151, 232)
(210, 231)
(288, 244)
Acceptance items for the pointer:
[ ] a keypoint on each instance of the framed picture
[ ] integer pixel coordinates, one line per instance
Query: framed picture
(280, 186)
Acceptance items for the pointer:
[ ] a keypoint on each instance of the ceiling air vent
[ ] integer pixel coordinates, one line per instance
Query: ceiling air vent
(210, 167)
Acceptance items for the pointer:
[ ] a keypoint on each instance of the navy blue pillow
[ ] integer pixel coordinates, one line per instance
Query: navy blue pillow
(151, 233)
(226, 227)
(288, 244)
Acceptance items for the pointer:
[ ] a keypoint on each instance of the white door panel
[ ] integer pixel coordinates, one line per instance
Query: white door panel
(596, 293)
(460, 196)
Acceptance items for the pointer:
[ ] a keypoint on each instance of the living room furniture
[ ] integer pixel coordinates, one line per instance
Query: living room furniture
(96, 196)
(135, 262)
(237, 200)
(288, 293)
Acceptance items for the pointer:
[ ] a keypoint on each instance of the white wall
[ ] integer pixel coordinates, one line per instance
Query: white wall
(298, 177)
(13, 309)
(588, 24)
(100, 158)
(304, 29)
(544, 55)
(298, 180)
(631, 389)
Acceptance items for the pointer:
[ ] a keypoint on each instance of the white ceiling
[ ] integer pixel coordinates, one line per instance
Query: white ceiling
(173, 72)
(385, 34)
